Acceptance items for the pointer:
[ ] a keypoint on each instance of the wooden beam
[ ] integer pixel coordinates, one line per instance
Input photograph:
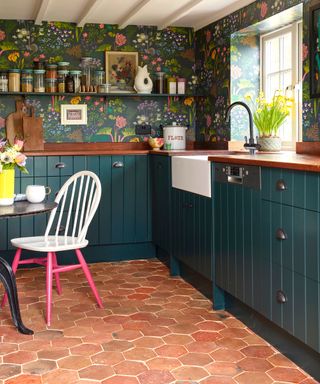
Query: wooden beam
(133, 11)
(222, 13)
(180, 13)
(41, 12)
(87, 12)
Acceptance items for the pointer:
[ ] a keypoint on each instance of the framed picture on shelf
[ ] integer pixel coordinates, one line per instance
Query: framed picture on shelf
(314, 43)
(74, 114)
(121, 69)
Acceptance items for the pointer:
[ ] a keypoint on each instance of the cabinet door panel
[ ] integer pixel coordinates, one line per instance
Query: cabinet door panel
(131, 195)
(140, 205)
(105, 212)
(117, 208)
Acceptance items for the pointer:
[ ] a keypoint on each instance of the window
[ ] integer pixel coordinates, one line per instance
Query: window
(281, 68)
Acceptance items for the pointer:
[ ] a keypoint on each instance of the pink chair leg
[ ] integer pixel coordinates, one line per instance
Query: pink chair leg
(56, 274)
(88, 276)
(49, 286)
(14, 270)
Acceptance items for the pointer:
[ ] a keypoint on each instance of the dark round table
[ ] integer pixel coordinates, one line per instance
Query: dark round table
(21, 208)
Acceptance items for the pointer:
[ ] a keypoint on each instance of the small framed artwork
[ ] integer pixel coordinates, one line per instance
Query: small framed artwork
(314, 43)
(121, 69)
(73, 114)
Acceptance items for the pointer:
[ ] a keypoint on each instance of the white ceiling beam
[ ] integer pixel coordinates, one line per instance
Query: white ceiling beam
(133, 12)
(180, 13)
(87, 12)
(224, 12)
(41, 12)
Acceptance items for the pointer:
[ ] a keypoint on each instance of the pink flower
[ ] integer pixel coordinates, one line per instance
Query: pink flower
(305, 51)
(101, 26)
(120, 39)
(96, 103)
(208, 35)
(158, 69)
(264, 9)
(26, 54)
(85, 35)
(121, 122)
(154, 62)
(87, 98)
(159, 59)
(2, 35)
(145, 57)
(42, 56)
(208, 120)
(21, 160)
(101, 109)
(18, 144)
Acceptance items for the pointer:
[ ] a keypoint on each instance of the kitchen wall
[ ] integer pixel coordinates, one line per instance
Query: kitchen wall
(212, 51)
(110, 119)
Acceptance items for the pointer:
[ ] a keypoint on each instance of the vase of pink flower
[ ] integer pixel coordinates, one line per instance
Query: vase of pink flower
(10, 159)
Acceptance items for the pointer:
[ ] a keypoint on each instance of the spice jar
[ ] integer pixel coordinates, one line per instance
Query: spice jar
(172, 85)
(38, 64)
(86, 79)
(181, 85)
(63, 66)
(27, 80)
(51, 71)
(62, 80)
(38, 80)
(159, 83)
(3, 81)
(69, 84)
(76, 75)
(14, 80)
(99, 77)
(51, 85)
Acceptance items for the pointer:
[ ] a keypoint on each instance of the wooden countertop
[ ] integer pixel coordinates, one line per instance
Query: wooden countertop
(287, 160)
(88, 152)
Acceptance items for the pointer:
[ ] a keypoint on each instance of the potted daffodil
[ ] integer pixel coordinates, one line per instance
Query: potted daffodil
(10, 159)
(268, 118)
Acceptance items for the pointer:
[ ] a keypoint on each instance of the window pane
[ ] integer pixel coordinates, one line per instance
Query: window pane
(285, 51)
(272, 58)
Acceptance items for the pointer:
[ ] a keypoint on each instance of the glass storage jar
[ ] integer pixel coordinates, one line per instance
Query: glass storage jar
(14, 80)
(181, 85)
(51, 71)
(172, 85)
(100, 77)
(38, 80)
(27, 80)
(63, 66)
(51, 85)
(86, 79)
(159, 83)
(38, 64)
(76, 74)
(62, 80)
(3, 81)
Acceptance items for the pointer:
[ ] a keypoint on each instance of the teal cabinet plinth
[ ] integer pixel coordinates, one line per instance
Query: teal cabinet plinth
(124, 214)
(192, 231)
(160, 168)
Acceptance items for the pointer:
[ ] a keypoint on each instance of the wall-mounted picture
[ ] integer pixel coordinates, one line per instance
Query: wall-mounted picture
(121, 69)
(314, 23)
(73, 114)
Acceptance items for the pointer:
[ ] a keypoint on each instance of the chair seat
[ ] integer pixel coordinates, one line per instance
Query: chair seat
(49, 243)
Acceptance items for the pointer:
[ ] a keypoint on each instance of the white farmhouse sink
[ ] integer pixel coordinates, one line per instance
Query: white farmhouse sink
(192, 174)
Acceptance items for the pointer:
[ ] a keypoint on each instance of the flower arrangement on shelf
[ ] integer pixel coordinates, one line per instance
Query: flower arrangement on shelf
(11, 156)
(268, 118)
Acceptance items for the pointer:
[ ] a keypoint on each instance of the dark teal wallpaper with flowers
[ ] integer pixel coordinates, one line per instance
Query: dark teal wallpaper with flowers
(212, 52)
(111, 119)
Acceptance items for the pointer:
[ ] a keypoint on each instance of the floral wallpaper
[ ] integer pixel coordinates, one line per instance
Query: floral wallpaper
(213, 51)
(109, 119)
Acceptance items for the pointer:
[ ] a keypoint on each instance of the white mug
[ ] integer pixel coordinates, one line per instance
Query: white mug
(37, 193)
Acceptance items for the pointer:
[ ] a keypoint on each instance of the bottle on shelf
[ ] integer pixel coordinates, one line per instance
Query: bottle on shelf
(27, 80)
(3, 81)
(69, 84)
(38, 80)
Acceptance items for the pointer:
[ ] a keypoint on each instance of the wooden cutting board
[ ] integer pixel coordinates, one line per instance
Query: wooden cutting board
(32, 132)
(14, 122)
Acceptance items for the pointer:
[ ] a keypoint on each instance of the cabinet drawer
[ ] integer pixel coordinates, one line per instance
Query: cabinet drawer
(296, 188)
(290, 238)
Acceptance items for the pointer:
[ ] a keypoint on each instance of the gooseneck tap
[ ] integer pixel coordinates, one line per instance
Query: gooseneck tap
(251, 145)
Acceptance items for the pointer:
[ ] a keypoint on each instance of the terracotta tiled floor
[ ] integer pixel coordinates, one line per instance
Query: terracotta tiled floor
(154, 329)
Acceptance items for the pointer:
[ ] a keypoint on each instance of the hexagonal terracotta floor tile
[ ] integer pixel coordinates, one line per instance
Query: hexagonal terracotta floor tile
(121, 380)
(218, 380)
(96, 372)
(74, 362)
(189, 373)
(19, 357)
(149, 342)
(206, 336)
(140, 354)
(171, 350)
(117, 345)
(86, 349)
(254, 364)
(8, 370)
(107, 358)
(25, 379)
(226, 354)
(156, 377)
(292, 375)
(39, 367)
(253, 377)
(53, 353)
(130, 368)
(177, 339)
(163, 363)
(258, 351)
(196, 359)
(223, 368)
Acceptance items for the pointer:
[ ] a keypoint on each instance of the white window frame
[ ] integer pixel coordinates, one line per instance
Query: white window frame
(296, 51)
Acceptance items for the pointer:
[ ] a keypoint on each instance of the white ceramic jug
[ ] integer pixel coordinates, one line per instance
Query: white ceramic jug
(143, 82)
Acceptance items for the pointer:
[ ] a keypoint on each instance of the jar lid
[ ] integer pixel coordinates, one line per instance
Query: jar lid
(99, 71)
(51, 66)
(171, 78)
(63, 72)
(63, 63)
(181, 79)
(39, 71)
(3, 72)
(27, 70)
(14, 70)
(75, 72)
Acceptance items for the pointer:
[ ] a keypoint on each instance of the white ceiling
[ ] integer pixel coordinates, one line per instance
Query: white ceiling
(162, 13)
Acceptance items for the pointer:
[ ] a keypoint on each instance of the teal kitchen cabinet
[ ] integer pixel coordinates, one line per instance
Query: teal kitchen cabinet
(192, 229)
(160, 168)
(123, 219)
(290, 253)
(236, 213)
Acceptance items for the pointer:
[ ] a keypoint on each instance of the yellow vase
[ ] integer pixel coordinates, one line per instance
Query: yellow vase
(6, 187)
